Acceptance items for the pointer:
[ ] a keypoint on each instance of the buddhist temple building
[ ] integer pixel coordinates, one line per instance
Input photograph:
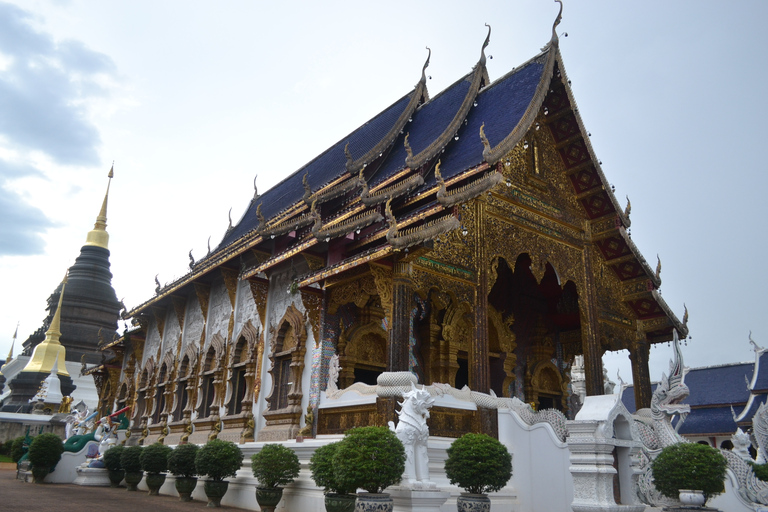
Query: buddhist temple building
(468, 237)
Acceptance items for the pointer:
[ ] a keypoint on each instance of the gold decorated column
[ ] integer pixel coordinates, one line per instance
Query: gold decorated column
(402, 303)
(638, 353)
(479, 371)
(590, 326)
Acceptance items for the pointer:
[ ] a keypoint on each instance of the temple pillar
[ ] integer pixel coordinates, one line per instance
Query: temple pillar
(398, 356)
(479, 370)
(590, 326)
(639, 352)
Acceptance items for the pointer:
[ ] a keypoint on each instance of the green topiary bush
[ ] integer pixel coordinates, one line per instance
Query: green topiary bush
(44, 453)
(154, 458)
(17, 449)
(478, 463)
(371, 458)
(324, 471)
(130, 459)
(182, 460)
(689, 466)
(218, 459)
(275, 466)
(112, 458)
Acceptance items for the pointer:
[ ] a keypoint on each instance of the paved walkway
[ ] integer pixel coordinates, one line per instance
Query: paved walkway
(16, 495)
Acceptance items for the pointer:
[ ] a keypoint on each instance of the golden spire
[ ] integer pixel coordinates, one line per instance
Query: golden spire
(98, 236)
(10, 352)
(50, 349)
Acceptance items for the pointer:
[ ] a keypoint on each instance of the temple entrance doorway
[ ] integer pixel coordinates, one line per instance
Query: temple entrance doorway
(543, 322)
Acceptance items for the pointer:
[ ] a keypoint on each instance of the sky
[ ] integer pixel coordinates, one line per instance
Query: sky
(192, 99)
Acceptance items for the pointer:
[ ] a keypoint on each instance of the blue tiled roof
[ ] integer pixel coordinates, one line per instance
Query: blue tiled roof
(762, 375)
(324, 168)
(428, 123)
(500, 106)
(709, 420)
(717, 385)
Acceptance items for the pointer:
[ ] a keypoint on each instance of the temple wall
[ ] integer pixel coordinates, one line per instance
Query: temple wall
(172, 332)
(152, 343)
(245, 308)
(218, 313)
(193, 324)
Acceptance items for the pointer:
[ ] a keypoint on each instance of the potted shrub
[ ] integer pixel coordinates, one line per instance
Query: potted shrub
(370, 458)
(687, 467)
(130, 460)
(217, 460)
(113, 465)
(182, 464)
(479, 464)
(273, 466)
(337, 498)
(44, 453)
(154, 462)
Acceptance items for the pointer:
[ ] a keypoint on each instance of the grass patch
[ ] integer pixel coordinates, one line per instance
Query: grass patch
(5, 458)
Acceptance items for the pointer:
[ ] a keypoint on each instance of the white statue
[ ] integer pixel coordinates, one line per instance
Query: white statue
(75, 420)
(741, 444)
(333, 375)
(413, 432)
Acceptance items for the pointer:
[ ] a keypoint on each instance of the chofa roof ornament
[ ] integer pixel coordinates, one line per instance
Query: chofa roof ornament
(559, 18)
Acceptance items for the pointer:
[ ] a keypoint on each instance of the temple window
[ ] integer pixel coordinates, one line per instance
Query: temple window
(207, 390)
(237, 380)
(160, 394)
(181, 390)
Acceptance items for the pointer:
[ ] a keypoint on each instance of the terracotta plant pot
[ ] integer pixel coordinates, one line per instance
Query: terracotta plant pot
(155, 481)
(340, 502)
(115, 477)
(374, 502)
(132, 479)
(473, 503)
(185, 486)
(268, 497)
(215, 490)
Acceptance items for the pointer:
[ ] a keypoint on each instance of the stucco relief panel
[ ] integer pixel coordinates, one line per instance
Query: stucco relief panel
(245, 307)
(172, 331)
(193, 324)
(152, 343)
(219, 312)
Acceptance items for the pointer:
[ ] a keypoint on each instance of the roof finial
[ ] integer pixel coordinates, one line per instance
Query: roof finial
(628, 209)
(348, 155)
(426, 65)
(255, 189)
(484, 139)
(230, 219)
(685, 316)
(98, 236)
(487, 40)
(408, 149)
(191, 260)
(157, 285)
(658, 267)
(260, 216)
(557, 22)
(48, 350)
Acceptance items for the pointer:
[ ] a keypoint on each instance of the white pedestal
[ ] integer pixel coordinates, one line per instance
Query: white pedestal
(411, 500)
(94, 477)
